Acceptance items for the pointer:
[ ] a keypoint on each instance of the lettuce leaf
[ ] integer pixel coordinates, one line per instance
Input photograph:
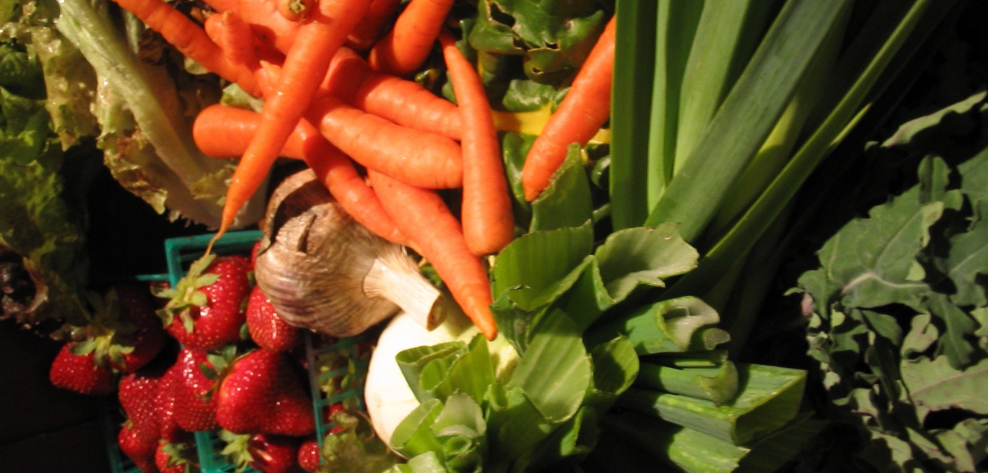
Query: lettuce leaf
(43, 265)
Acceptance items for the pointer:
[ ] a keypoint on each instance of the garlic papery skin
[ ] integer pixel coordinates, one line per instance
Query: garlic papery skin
(314, 260)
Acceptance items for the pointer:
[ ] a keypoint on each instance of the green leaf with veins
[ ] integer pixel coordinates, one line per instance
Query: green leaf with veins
(874, 259)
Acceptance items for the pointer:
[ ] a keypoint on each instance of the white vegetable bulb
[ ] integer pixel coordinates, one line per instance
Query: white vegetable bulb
(386, 393)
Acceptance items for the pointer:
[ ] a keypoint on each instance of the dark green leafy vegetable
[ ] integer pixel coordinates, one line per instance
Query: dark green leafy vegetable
(898, 308)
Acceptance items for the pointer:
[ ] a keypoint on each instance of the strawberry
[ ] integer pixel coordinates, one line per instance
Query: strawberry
(206, 309)
(176, 458)
(309, 454)
(77, 368)
(137, 335)
(253, 254)
(261, 393)
(266, 327)
(262, 452)
(195, 408)
(164, 408)
(137, 392)
(139, 451)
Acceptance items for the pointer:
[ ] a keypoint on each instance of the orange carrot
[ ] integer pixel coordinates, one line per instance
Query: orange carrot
(189, 39)
(368, 31)
(408, 43)
(294, 10)
(223, 132)
(415, 157)
(306, 64)
(488, 224)
(423, 216)
(270, 26)
(584, 110)
(398, 100)
(221, 6)
(408, 104)
(402, 101)
(234, 37)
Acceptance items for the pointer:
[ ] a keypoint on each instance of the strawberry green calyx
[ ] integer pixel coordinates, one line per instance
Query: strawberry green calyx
(177, 457)
(236, 451)
(188, 293)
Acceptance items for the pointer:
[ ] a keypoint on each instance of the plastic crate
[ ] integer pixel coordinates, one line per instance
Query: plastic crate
(179, 254)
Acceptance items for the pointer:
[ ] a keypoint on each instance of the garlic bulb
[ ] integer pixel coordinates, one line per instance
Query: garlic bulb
(325, 272)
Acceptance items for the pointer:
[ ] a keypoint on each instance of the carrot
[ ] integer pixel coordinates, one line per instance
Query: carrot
(189, 39)
(423, 216)
(407, 103)
(223, 132)
(294, 10)
(402, 101)
(415, 157)
(368, 31)
(234, 37)
(488, 225)
(270, 26)
(306, 64)
(584, 110)
(408, 43)
(222, 5)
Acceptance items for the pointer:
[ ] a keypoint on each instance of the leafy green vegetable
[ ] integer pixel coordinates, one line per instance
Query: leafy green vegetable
(42, 216)
(897, 308)
(553, 37)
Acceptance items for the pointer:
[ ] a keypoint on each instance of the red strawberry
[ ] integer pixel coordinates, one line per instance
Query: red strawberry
(195, 409)
(253, 254)
(206, 310)
(262, 452)
(176, 458)
(137, 392)
(266, 327)
(139, 451)
(76, 368)
(262, 393)
(338, 415)
(274, 453)
(164, 408)
(138, 335)
(309, 454)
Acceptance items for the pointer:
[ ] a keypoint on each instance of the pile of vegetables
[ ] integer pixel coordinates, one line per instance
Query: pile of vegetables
(602, 187)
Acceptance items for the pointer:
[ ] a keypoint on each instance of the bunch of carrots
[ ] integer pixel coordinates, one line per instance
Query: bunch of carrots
(326, 104)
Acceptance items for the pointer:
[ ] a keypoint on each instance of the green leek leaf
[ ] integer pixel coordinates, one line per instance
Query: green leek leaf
(769, 398)
(747, 115)
(634, 56)
(717, 384)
